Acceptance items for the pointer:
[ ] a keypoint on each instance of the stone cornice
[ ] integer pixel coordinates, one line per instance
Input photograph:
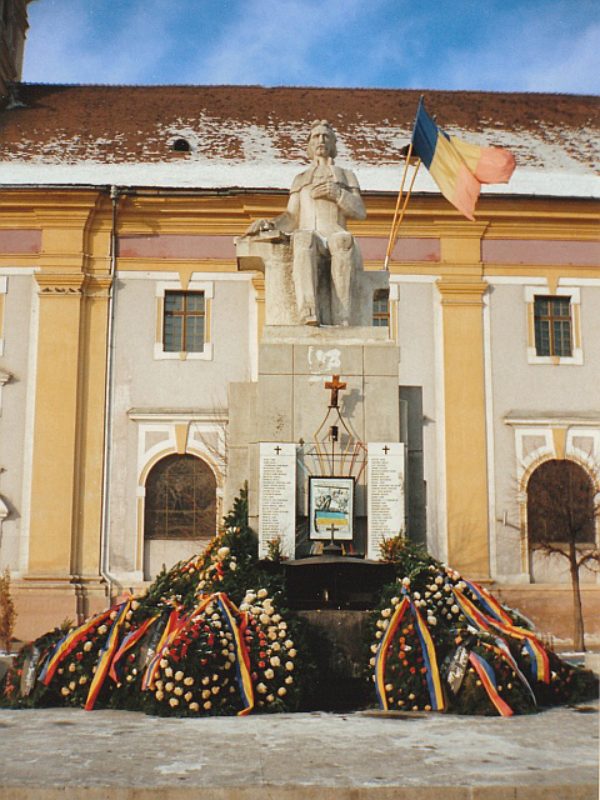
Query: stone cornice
(60, 284)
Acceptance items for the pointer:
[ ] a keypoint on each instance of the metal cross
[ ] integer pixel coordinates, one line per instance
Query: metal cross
(278, 449)
(336, 387)
(386, 449)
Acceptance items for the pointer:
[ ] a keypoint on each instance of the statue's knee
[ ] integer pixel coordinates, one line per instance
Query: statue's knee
(303, 240)
(340, 242)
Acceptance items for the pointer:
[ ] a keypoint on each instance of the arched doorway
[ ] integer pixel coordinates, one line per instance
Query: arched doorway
(180, 510)
(560, 510)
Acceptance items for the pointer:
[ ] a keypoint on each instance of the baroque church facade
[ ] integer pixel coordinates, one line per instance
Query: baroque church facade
(124, 321)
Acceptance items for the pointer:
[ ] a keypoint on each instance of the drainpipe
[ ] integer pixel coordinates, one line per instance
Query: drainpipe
(108, 402)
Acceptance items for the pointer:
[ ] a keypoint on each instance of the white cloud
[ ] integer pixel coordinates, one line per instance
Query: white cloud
(539, 55)
(72, 42)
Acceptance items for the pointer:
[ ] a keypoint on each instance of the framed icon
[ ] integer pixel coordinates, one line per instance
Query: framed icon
(331, 508)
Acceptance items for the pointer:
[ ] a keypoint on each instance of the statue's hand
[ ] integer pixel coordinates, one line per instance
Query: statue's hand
(327, 190)
(260, 225)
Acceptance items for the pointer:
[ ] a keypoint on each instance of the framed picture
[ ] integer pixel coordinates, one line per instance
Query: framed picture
(331, 508)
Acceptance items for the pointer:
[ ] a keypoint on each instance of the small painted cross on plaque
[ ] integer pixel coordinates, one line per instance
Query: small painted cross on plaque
(336, 386)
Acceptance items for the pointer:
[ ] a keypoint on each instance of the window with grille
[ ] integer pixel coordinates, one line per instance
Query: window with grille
(183, 322)
(552, 316)
(381, 308)
(180, 499)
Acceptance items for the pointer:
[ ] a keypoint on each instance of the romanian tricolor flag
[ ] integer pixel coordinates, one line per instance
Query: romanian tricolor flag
(457, 167)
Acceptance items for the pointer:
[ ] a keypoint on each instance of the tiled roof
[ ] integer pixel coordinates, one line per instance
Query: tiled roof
(255, 137)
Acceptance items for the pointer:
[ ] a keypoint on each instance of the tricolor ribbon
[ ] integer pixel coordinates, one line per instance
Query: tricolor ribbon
(172, 628)
(434, 683)
(106, 655)
(503, 650)
(540, 664)
(129, 641)
(488, 681)
(67, 644)
(242, 659)
(489, 602)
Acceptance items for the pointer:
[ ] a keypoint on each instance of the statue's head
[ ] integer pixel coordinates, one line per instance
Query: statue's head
(321, 141)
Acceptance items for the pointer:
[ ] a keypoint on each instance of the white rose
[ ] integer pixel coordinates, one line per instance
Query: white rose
(289, 680)
(178, 691)
(261, 688)
(207, 705)
(405, 581)
(65, 692)
(173, 702)
(292, 653)
(281, 691)
(222, 553)
(275, 662)
(102, 629)
(87, 647)
(262, 593)
(270, 698)
(289, 665)
(160, 695)
(179, 675)
(169, 686)
(276, 617)
(250, 597)
(189, 681)
(288, 643)
(269, 674)
(169, 672)
(194, 707)
(232, 566)
(394, 601)
(386, 612)
(455, 609)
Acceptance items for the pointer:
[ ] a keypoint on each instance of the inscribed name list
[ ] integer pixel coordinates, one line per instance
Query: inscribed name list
(277, 497)
(385, 494)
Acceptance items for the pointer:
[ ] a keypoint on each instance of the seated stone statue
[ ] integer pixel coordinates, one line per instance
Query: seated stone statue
(321, 199)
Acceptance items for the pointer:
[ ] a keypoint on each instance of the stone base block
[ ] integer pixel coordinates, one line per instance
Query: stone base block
(42, 604)
(550, 608)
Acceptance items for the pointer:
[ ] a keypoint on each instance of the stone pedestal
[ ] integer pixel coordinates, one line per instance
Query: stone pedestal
(288, 403)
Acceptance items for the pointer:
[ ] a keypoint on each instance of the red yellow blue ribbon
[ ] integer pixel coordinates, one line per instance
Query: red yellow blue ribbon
(67, 644)
(540, 663)
(128, 642)
(242, 660)
(106, 656)
(168, 634)
(434, 683)
(488, 681)
(383, 650)
(489, 602)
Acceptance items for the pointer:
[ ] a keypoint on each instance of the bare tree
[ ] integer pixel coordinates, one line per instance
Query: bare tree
(562, 512)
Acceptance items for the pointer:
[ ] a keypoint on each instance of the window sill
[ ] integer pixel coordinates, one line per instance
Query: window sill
(574, 360)
(162, 355)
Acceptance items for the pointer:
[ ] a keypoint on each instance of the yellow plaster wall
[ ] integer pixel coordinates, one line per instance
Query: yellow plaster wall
(55, 436)
(465, 425)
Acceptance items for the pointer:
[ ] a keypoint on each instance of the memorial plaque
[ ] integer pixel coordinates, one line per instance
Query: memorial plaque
(385, 494)
(277, 497)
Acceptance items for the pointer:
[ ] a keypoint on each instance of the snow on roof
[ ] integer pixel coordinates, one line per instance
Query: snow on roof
(250, 137)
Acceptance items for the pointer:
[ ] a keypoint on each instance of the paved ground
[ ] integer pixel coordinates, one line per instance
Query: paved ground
(68, 754)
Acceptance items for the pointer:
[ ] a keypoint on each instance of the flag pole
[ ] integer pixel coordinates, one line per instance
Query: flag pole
(399, 212)
(405, 204)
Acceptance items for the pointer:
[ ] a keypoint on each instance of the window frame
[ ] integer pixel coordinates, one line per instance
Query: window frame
(193, 287)
(572, 293)
(168, 511)
(380, 319)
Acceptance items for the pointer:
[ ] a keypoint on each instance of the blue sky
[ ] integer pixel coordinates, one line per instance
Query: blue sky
(506, 45)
